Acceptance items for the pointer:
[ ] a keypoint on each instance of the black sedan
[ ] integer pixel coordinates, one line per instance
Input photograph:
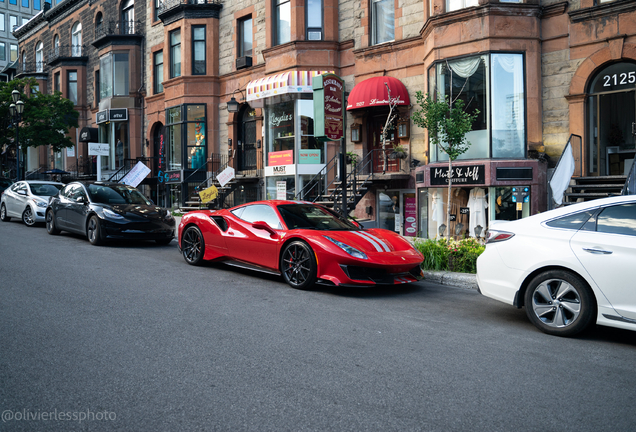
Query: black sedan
(104, 210)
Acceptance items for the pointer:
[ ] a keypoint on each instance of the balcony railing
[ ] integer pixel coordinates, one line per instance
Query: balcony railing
(118, 28)
(66, 51)
(31, 67)
(166, 5)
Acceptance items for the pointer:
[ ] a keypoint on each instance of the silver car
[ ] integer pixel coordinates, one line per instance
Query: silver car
(27, 200)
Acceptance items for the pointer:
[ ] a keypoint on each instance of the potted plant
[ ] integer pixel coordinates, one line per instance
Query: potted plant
(399, 151)
(351, 158)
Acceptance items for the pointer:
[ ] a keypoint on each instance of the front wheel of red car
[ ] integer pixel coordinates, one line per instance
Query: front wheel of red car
(298, 265)
(560, 303)
(193, 246)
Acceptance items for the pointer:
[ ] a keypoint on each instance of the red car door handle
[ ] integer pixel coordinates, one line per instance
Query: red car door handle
(597, 251)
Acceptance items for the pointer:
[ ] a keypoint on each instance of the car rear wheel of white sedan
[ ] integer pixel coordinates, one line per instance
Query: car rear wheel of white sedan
(559, 303)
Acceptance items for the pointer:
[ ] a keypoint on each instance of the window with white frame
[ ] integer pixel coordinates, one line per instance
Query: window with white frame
(175, 53)
(56, 45)
(314, 20)
(72, 87)
(1, 21)
(114, 72)
(128, 17)
(494, 84)
(383, 21)
(39, 57)
(76, 40)
(13, 22)
(245, 37)
(282, 12)
(453, 5)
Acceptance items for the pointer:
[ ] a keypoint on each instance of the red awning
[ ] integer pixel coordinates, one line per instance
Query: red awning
(372, 92)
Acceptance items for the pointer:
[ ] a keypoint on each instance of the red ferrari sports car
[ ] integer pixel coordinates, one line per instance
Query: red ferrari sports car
(305, 242)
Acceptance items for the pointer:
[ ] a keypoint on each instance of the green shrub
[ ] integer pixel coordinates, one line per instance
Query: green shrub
(454, 255)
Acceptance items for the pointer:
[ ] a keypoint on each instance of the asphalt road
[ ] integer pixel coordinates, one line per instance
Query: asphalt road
(129, 337)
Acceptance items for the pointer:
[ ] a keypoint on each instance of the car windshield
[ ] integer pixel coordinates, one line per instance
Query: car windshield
(116, 194)
(45, 189)
(307, 216)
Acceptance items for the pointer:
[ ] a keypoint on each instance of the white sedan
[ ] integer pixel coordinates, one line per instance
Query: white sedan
(27, 200)
(569, 267)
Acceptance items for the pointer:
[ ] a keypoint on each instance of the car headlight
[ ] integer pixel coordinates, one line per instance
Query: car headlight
(42, 204)
(111, 214)
(348, 249)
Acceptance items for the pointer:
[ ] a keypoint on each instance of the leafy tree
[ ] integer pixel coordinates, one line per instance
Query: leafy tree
(46, 120)
(447, 124)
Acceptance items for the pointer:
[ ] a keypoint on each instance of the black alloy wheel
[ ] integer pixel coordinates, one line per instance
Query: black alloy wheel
(298, 265)
(193, 245)
(27, 216)
(50, 223)
(93, 231)
(560, 303)
(3, 214)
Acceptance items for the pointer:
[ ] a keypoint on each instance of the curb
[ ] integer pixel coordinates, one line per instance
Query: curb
(460, 280)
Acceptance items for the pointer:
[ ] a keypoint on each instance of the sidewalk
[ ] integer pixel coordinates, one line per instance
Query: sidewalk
(460, 280)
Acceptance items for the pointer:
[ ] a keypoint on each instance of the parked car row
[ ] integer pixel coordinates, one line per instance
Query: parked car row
(569, 267)
(98, 210)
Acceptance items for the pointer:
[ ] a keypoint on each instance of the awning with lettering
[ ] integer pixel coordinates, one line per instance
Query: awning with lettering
(282, 83)
(372, 92)
(88, 134)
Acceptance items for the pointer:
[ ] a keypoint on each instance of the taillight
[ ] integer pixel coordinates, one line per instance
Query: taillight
(498, 236)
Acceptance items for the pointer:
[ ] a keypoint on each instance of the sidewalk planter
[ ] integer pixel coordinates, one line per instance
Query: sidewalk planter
(454, 255)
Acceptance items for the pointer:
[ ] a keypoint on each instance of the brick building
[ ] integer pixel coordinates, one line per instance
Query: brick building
(539, 72)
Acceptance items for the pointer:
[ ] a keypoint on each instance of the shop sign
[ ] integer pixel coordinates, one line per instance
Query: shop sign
(280, 170)
(328, 107)
(471, 174)
(136, 175)
(70, 152)
(120, 114)
(281, 190)
(309, 156)
(172, 177)
(208, 194)
(101, 117)
(226, 175)
(98, 149)
(285, 157)
(410, 216)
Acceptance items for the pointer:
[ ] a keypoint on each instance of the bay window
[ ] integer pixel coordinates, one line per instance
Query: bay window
(198, 50)
(314, 19)
(494, 84)
(282, 9)
(114, 75)
(175, 53)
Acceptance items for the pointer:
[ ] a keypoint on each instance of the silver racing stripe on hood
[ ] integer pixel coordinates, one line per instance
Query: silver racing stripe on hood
(371, 237)
(373, 242)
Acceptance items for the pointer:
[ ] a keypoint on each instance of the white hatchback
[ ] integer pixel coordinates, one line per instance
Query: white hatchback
(27, 200)
(569, 267)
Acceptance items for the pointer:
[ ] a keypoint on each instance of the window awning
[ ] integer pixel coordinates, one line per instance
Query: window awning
(372, 92)
(286, 82)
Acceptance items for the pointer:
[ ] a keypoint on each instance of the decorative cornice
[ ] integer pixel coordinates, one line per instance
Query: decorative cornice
(388, 47)
(110, 40)
(555, 9)
(175, 11)
(462, 15)
(602, 10)
(56, 13)
(296, 46)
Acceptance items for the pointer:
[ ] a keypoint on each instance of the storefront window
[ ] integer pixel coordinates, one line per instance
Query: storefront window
(311, 151)
(502, 206)
(276, 185)
(196, 136)
(468, 212)
(280, 125)
(192, 128)
(494, 85)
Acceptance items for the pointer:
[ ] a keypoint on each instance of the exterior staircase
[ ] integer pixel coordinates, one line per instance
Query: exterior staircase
(589, 188)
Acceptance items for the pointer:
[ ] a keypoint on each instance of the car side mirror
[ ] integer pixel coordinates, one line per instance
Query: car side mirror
(22, 192)
(264, 226)
(82, 200)
(355, 223)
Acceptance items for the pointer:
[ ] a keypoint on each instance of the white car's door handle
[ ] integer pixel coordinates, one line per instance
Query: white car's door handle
(597, 251)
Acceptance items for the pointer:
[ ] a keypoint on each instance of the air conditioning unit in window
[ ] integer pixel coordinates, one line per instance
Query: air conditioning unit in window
(243, 62)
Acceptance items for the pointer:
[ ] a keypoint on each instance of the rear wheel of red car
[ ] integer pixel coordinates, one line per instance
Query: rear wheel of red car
(560, 303)
(298, 265)
(193, 245)
(3, 214)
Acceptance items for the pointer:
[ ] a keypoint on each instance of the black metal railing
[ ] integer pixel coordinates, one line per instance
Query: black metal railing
(31, 67)
(166, 5)
(66, 51)
(118, 28)
(630, 182)
(317, 187)
(128, 165)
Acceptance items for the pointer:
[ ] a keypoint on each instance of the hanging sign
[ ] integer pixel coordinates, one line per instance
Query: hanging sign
(208, 194)
(136, 175)
(467, 174)
(226, 175)
(328, 107)
(285, 157)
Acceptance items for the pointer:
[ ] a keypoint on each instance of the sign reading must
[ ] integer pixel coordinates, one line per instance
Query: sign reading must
(471, 174)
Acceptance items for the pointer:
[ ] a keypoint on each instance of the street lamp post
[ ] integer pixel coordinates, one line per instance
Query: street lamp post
(16, 109)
